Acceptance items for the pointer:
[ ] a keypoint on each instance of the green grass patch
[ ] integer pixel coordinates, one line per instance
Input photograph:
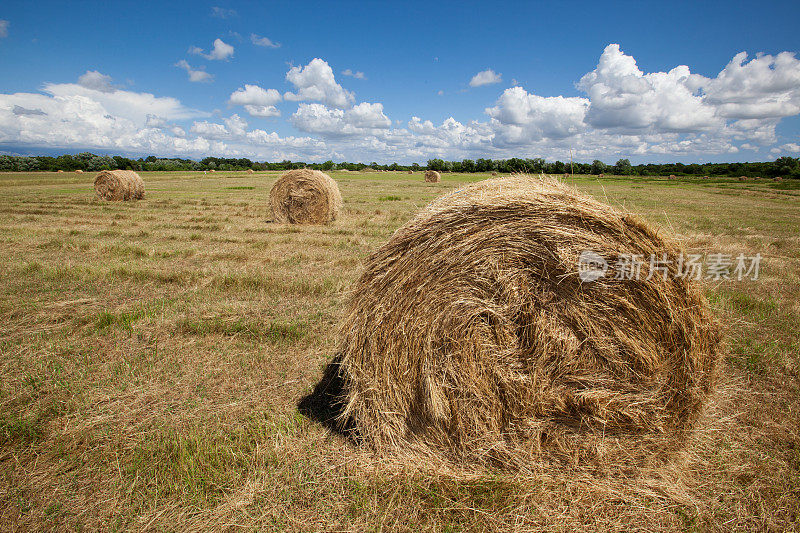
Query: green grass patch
(16, 430)
(124, 320)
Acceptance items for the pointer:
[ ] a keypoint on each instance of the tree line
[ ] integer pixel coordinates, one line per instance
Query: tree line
(787, 167)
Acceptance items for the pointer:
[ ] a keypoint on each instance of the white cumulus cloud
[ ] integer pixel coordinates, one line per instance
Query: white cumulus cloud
(195, 74)
(316, 82)
(521, 117)
(362, 119)
(257, 101)
(354, 74)
(258, 40)
(93, 79)
(220, 51)
(485, 77)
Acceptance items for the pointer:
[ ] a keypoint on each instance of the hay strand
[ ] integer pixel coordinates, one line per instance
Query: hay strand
(305, 196)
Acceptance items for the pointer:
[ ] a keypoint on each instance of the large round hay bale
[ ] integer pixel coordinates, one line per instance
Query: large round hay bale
(472, 335)
(432, 176)
(79, 171)
(250, 171)
(305, 196)
(119, 185)
(410, 172)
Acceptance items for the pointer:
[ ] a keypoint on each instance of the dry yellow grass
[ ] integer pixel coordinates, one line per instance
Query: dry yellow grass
(152, 355)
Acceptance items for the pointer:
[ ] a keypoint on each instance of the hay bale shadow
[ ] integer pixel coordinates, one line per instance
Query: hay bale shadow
(325, 404)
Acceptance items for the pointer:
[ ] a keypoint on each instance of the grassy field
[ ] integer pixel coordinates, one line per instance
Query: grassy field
(152, 355)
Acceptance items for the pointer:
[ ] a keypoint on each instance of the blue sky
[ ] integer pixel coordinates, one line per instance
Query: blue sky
(374, 81)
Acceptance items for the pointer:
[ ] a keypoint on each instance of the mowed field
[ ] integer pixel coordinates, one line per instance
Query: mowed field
(152, 355)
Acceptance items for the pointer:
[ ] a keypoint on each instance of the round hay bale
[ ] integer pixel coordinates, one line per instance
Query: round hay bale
(472, 336)
(250, 171)
(305, 196)
(119, 185)
(212, 170)
(777, 178)
(601, 175)
(494, 173)
(59, 171)
(79, 171)
(410, 172)
(672, 176)
(431, 176)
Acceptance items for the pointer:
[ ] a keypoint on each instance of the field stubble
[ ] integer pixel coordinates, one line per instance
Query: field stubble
(152, 355)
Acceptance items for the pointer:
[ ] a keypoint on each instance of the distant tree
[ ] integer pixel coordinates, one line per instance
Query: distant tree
(623, 167)
(598, 167)
(435, 164)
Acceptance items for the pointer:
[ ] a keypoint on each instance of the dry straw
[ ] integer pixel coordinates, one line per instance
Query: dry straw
(432, 176)
(305, 196)
(471, 335)
(119, 185)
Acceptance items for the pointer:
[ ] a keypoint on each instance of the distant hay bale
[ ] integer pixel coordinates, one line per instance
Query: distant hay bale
(742, 178)
(59, 171)
(777, 178)
(250, 171)
(305, 196)
(410, 172)
(212, 170)
(494, 173)
(471, 335)
(367, 169)
(79, 171)
(672, 176)
(432, 176)
(601, 175)
(119, 185)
